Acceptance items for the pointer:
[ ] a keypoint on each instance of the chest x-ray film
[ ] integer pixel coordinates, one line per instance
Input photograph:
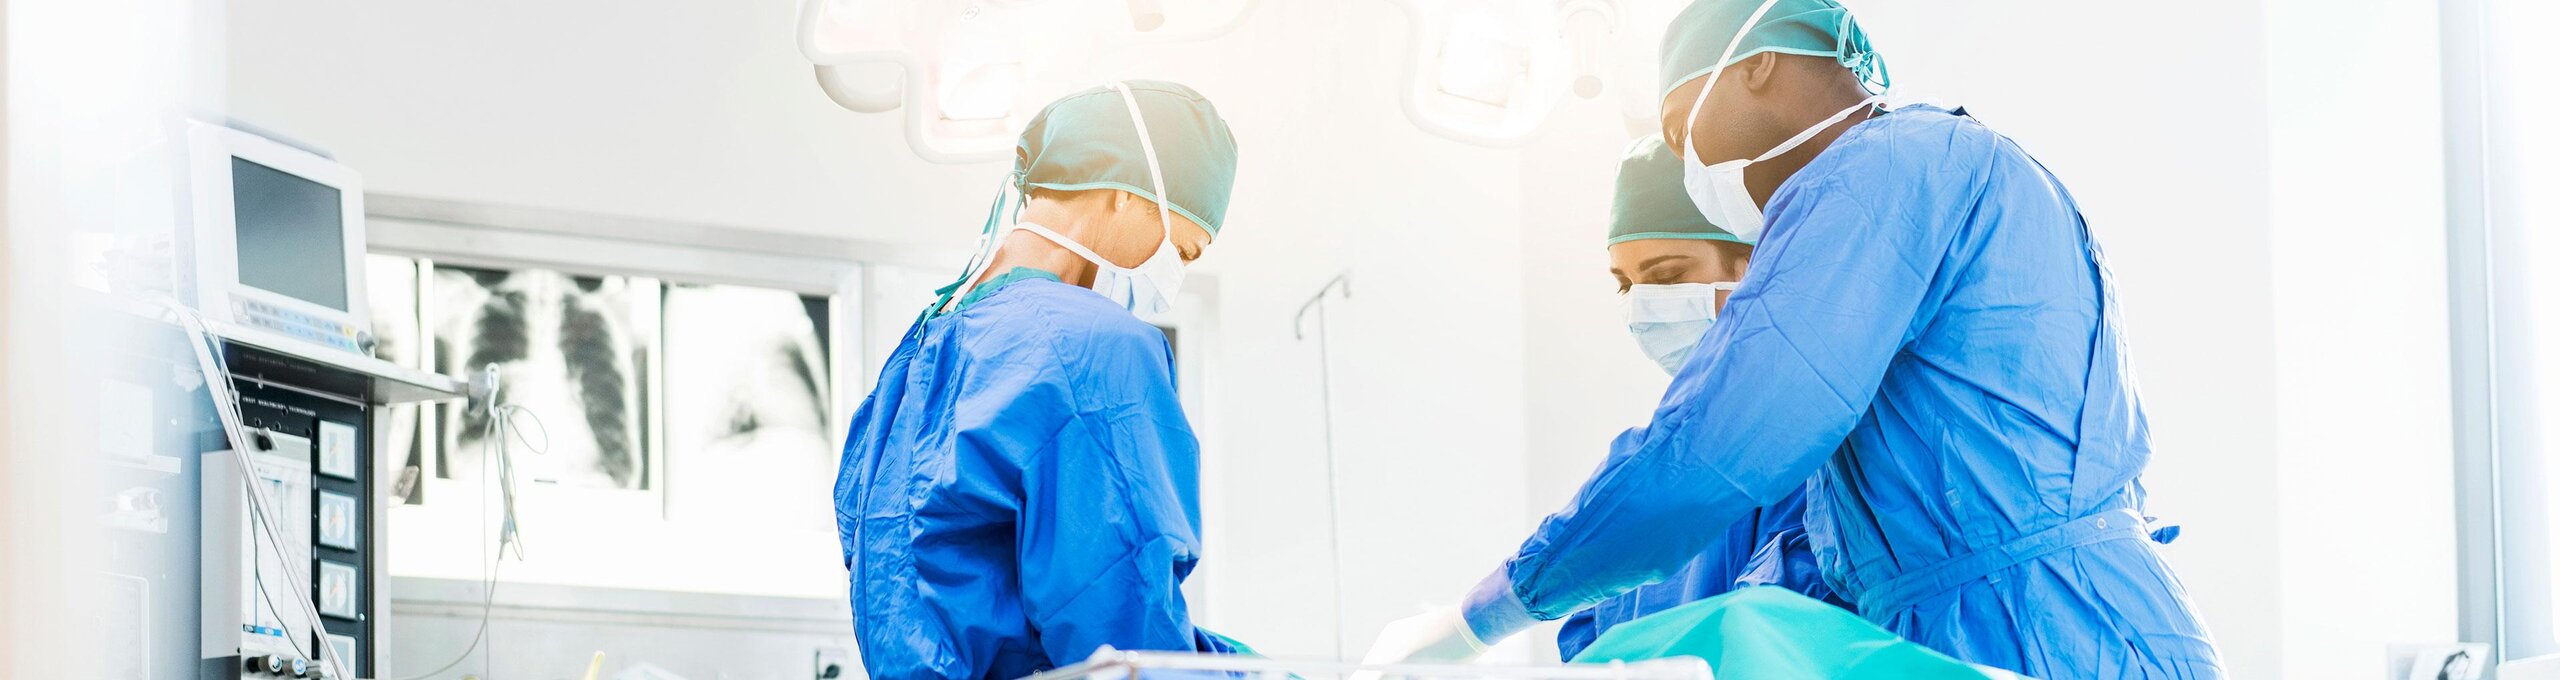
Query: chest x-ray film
(746, 405)
(574, 351)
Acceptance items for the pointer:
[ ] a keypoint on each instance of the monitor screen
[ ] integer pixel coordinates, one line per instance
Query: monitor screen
(292, 240)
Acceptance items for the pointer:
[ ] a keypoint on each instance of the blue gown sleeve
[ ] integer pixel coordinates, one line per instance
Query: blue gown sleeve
(1775, 386)
(1577, 633)
(1787, 561)
(1105, 540)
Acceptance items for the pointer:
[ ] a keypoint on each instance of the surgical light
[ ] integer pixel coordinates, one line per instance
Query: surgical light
(1480, 62)
(864, 86)
(1146, 15)
(978, 78)
(984, 92)
(970, 73)
(1491, 71)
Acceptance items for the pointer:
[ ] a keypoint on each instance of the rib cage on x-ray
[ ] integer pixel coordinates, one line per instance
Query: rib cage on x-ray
(747, 430)
(744, 417)
(571, 349)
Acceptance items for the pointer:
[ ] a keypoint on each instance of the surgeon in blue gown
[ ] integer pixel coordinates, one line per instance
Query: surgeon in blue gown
(1674, 270)
(1008, 501)
(1928, 332)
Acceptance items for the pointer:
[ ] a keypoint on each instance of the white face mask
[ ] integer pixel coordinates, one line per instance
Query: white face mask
(1668, 320)
(1147, 290)
(1718, 189)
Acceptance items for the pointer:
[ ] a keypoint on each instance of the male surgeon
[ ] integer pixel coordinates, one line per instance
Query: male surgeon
(1008, 499)
(1927, 332)
(1674, 270)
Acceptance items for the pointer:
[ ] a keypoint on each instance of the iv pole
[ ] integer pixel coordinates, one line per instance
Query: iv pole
(1332, 492)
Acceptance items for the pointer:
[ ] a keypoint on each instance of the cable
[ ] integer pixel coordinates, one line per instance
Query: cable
(216, 373)
(501, 415)
(269, 599)
(262, 520)
(226, 407)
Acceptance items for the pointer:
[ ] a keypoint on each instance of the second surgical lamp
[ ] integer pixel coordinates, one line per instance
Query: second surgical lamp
(1491, 71)
(969, 73)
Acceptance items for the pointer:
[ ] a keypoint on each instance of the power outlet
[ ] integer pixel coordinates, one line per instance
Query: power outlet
(833, 663)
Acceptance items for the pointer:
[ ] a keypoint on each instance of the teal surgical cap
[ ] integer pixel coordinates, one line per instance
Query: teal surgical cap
(1651, 203)
(1086, 141)
(1819, 28)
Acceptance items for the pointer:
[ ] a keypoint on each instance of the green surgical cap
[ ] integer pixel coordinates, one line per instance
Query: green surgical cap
(1820, 28)
(1086, 141)
(1651, 202)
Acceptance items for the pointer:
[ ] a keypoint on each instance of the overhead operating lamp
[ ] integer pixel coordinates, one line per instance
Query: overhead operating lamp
(1491, 71)
(971, 73)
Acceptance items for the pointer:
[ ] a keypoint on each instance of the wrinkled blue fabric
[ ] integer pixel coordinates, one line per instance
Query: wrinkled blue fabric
(1929, 333)
(1765, 548)
(1007, 501)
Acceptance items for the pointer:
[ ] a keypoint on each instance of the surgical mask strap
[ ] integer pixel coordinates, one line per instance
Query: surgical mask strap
(1808, 133)
(1070, 244)
(1155, 171)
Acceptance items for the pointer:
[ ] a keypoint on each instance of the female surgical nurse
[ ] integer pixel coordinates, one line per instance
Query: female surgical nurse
(1674, 270)
(1007, 501)
(1927, 330)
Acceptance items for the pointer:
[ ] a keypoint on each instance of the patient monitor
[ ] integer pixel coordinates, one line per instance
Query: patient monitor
(278, 238)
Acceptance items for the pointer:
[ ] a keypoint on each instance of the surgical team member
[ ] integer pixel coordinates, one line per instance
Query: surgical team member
(1675, 269)
(1007, 501)
(1928, 332)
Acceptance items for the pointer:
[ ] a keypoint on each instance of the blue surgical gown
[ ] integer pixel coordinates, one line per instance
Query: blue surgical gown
(1929, 333)
(1008, 499)
(1768, 547)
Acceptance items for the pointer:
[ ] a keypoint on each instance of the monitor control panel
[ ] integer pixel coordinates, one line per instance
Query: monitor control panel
(299, 326)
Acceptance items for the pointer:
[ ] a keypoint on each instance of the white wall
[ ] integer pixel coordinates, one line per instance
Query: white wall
(689, 111)
(1480, 362)
(2363, 417)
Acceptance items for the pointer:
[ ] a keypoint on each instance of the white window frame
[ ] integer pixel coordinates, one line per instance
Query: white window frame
(2506, 535)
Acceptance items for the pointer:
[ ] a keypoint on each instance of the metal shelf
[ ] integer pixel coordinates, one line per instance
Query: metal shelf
(390, 383)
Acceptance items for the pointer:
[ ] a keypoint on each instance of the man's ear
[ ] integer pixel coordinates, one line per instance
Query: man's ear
(1759, 71)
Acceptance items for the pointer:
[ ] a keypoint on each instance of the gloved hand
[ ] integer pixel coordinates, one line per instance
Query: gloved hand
(1438, 636)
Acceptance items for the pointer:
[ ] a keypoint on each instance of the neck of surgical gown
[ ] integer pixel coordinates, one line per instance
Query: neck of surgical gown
(1008, 500)
(1928, 336)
